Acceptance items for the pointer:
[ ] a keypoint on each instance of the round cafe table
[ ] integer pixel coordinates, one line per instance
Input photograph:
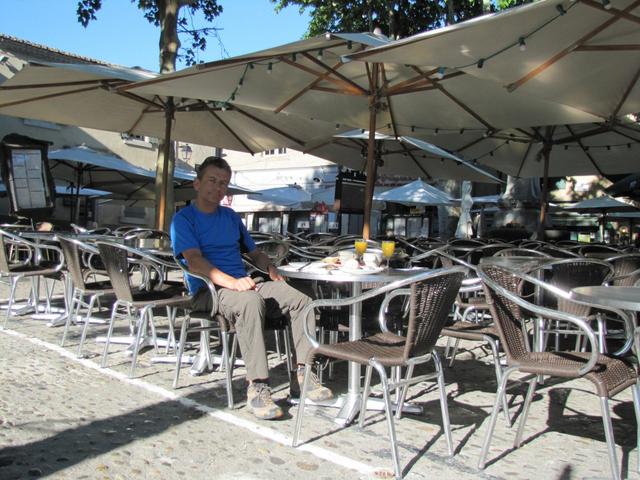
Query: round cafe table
(624, 298)
(349, 403)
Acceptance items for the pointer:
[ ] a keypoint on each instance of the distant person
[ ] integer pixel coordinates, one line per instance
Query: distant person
(211, 239)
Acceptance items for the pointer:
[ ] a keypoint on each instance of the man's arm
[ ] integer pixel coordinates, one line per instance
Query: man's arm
(198, 264)
(263, 262)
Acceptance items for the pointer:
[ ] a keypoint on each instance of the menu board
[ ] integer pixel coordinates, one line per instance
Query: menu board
(29, 179)
(26, 174)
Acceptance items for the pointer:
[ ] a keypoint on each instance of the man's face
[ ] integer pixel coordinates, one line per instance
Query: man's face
(212, 187)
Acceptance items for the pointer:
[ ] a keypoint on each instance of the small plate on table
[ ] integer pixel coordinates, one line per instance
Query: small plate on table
(365, 270)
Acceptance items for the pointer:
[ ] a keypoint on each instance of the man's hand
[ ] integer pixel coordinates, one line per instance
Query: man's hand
(243, 284)
(274, 275)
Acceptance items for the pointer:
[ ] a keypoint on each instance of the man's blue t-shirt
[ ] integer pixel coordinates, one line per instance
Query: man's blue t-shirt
(220, 236)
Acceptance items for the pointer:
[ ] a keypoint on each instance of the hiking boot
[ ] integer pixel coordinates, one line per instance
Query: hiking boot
(259, 402)
(316, 392)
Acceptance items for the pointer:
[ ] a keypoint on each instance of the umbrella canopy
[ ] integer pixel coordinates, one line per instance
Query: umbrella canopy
(405, 156)
(292, 196)
(629, 186)
(579, 53)
(416, 193)
(88, 96)
(89, 168)
(584, 149)
(602, 205)
(308, 78)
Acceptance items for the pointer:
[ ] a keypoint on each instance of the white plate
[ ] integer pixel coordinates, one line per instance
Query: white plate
(360, 271)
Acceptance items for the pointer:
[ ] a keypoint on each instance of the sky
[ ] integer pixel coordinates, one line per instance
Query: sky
(121, 35)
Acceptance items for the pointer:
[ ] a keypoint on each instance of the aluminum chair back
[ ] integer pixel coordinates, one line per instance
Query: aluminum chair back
(116, 263)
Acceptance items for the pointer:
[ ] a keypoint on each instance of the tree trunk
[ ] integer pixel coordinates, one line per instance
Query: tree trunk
(165, 164)
(451, 12)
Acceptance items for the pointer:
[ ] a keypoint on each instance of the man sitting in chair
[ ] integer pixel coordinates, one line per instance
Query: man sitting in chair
(211, 239)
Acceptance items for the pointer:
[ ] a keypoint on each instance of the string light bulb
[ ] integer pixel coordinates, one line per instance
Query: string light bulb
(522, 45)
(440, 74)
(294, 57)
(435, 131)
(480, 63)
(562, 11)
(320, 54)
(270, 68)
(413, 128)
(349, 44)
(606, 4)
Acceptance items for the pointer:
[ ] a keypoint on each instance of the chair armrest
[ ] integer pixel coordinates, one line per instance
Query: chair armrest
(207, 281)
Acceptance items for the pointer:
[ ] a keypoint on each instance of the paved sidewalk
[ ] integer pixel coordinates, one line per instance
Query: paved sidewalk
(63, 417)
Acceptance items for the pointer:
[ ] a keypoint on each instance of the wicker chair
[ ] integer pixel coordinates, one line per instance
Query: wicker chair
(139, 302)
(608, 375)
(29, 263)
(431, 297)
(73, 253)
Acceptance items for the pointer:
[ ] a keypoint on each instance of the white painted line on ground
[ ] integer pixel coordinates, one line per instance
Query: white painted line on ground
(225, 416)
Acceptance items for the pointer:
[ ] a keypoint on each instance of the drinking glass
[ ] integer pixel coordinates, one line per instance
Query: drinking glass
(360, 247)
(388, 247)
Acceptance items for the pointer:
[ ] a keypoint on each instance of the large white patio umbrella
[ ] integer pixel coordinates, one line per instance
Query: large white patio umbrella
(292, 196)
(88, 95)
(405, 156)
(308, 78)
(602, 206)
(581, 53)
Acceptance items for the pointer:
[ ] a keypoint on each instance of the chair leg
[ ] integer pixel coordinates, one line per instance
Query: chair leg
(525, 410)
(636, 406)
(444, 406)
(85, 327)
(114, 311)
(403, 391)
(142, 326)
(365, 395)
(389, 413)
(73, 306)
(608, 433)
(454, 353)
(183, 338)
(496, 363)
(494, 416)
(14, 283)
(303, 398)
(224, 339)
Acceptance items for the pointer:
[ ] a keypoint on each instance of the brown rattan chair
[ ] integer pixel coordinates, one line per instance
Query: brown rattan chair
(137, 304)
(74, 250)
(431, 298)
(608, 375)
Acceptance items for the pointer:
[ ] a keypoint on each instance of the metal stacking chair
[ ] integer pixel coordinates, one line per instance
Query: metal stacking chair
(209, 321)
(431, 298)
(521, 252)
(608, 375)
(74, 250)
(138, 304)
(22, 259)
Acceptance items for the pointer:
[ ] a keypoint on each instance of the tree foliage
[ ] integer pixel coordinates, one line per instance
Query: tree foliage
(175, 18)
(396, 18)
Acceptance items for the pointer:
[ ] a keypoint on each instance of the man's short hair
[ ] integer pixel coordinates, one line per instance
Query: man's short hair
(212, 161)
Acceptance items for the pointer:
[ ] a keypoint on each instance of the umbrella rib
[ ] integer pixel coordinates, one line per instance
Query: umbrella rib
(454, 99)
(626, 94)
(564, 52)
(303, 91)
(384, 85)
(524, 157)
(138, 98)
(231, 131)
(50, 95)
(326, 75)
(415, 160)
(621, 47)
(270, 127)
(612, 11)
(53, 85)
(591, 159)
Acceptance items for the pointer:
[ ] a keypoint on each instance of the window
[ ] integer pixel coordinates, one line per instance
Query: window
(275, 151)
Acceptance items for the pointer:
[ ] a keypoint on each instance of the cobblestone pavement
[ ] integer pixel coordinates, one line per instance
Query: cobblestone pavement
(64, 417)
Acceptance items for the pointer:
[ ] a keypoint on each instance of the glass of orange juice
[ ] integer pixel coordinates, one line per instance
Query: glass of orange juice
(388, 247)
(360, 247)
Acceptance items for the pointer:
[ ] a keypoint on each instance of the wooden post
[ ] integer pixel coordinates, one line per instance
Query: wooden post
(164, 181)
(371, 153)
(544, 200)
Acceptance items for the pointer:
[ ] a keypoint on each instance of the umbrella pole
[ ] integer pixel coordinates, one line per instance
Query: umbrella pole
(166, 165)
(371, 153)
(544, 200)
